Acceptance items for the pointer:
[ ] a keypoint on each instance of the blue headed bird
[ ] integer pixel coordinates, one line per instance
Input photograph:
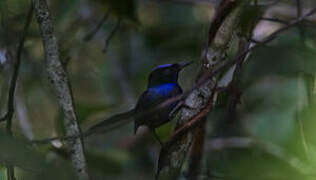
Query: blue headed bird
(162, 85)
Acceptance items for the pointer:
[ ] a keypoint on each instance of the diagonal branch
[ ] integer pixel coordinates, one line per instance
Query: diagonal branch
(90, 35)
(10, 107)
(111, 35)
(274, 20)
(234, 85)
(10, 111)
(59, 78)
(290, 25)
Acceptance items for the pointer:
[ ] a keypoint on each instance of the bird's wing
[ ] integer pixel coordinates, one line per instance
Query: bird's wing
(151, 98)
(146, 100)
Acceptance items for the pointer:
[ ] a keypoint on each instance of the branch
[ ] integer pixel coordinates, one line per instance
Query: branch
(111, 35)
(59, 79)
(234, 89)
(180, 132)
(274, 20)
(10, 106)
(225, 21)
(290, 25)
(191, 123)
(189, 2)
(10, 109)
(90, 35)
(299, 14)
(275, 34)
(122, 79)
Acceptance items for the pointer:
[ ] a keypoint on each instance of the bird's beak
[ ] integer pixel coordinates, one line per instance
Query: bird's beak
(184, 64)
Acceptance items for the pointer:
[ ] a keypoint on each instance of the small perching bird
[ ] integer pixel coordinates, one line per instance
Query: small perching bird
(162, 85)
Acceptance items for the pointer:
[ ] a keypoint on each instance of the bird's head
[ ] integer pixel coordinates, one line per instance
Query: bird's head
(167, 73)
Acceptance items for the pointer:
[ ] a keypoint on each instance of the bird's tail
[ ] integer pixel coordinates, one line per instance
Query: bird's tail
(111, 123)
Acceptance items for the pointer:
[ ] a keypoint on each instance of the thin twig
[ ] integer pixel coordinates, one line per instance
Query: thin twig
(274, 20)
(251, 40)
(90, 35)
(291, 24)
(12, 88)
(111, 35)
(8, 116)
(234, 85)
(188, 2)
(121, 76)
(298, 8)
(299, 14)
(10, 111)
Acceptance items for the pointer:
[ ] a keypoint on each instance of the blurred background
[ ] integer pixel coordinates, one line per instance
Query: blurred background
(109, 68)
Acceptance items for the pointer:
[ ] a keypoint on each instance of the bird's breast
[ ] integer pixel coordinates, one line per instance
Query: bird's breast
(165, 90)
(152, 97)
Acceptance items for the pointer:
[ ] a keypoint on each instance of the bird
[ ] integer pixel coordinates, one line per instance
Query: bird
(162, 85)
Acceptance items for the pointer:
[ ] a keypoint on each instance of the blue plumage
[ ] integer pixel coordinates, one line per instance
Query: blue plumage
(164, 89)
(162, 85)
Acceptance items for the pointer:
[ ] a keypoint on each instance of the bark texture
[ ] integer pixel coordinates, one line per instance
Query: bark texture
(60, 81)
(170, 166)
